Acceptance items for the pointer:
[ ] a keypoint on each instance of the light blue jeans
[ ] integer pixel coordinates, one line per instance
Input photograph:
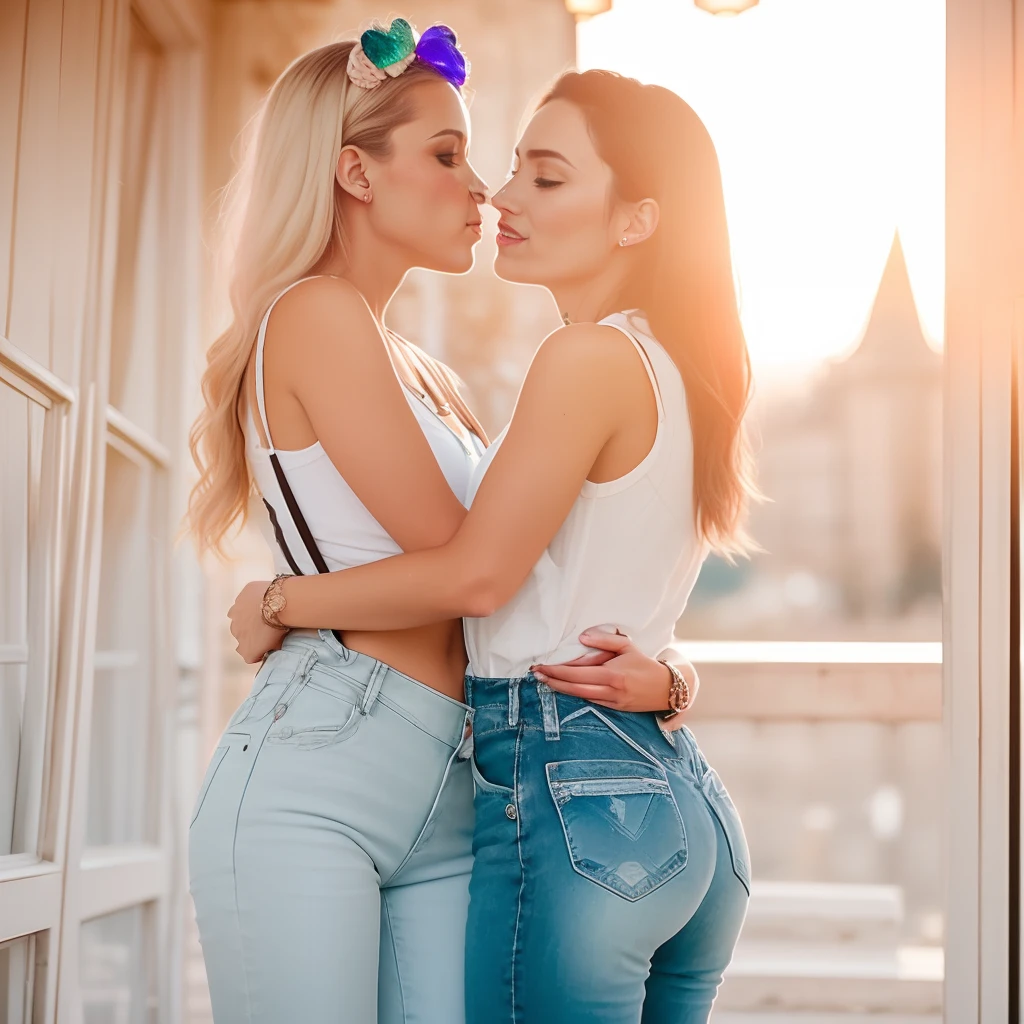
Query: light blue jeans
(330, 846)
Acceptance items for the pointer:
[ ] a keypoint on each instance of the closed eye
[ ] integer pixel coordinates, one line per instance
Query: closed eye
(546, 183)
(448, 159)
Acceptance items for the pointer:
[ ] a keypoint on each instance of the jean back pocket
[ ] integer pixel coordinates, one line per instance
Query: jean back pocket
(621, 823)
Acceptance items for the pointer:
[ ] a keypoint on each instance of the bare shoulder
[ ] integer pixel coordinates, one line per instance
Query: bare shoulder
(312, 317)
(592, 353)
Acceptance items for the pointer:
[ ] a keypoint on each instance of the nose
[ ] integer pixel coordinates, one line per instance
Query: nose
(477, 187)
(500, 199)
(479, 193)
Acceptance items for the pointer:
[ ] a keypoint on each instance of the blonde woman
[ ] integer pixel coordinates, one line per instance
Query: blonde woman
(330, 846)
(611, 873)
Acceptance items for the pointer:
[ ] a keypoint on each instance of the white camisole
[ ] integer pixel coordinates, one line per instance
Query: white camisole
(343, 528)
(628, 553)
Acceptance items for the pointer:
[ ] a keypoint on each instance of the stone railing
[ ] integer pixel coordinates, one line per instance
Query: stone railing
(795, 728)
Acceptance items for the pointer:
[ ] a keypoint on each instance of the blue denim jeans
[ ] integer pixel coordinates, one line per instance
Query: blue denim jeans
(330, 846)
(611, 874)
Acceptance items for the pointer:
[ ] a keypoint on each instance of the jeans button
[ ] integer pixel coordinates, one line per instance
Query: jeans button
(510, 812)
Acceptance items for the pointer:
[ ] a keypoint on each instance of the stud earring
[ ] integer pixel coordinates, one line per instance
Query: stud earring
(622, 241)
(366, 196)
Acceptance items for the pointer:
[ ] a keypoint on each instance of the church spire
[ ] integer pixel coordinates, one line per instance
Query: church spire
(893, 333)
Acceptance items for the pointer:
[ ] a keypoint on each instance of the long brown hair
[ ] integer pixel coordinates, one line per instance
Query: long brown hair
(283, 214)
(658, 148)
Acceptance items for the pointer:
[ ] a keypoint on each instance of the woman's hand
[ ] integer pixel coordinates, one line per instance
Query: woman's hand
(255, 638)
(617, 675)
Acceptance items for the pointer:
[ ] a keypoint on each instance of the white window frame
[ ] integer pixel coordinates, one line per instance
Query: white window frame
(69, 143)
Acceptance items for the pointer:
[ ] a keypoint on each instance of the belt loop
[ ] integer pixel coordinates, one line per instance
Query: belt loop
(549, 707)
(373, 685)
(513, 703)
(329, 638)
(465, 751)
(302, 677)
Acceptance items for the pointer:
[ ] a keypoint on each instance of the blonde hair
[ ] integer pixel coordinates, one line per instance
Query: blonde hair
(285, 206)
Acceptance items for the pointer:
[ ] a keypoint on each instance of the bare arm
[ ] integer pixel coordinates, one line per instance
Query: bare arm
(572, 403)
(325, 349)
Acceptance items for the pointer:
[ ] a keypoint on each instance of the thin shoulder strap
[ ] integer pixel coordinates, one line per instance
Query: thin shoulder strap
(261, 340)
(305, 534)
(648, 365)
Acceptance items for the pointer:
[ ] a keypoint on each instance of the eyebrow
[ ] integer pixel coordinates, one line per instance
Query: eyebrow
(539, 154)
(448, 131)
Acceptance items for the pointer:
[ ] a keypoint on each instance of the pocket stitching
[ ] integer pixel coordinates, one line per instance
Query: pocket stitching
(715, 799)
(490, 787)
(590, 709)
(215, 762)
(331, 733)
(677, 862)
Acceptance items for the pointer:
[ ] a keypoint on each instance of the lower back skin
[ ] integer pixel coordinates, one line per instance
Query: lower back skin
(434, 655)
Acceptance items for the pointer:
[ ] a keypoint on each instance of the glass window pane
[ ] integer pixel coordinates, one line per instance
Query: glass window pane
(14, 504)
(16, 981)
(21, 422)
(120, 770)
(116, 968)
(12, 706)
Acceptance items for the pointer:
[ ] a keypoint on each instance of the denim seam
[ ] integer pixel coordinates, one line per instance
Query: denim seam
(414, 721)
(390, 705)
(301, 669)
(713, 805)
(372, 690)
(626, 739)
(433, 807)
(522, 869)
(394, 949)
(487, 786)
(222, 751)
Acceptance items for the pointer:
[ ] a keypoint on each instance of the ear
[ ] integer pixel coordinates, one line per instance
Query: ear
(643, 221)
(351, 172)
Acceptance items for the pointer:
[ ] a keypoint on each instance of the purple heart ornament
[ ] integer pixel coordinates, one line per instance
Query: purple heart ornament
(438, 48)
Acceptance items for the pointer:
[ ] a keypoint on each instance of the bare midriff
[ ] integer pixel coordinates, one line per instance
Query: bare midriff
(434, 655)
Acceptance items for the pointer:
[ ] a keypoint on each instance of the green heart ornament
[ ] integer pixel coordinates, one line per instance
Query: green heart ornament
(387, 48)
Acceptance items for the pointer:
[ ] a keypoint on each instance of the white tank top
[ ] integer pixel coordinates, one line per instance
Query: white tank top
(343, 528)
(628, 553)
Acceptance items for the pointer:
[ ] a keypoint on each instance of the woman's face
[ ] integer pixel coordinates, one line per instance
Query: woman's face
(426, 195)
(558, 215)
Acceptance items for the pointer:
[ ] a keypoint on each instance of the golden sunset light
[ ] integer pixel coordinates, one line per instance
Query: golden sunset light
(828, 119)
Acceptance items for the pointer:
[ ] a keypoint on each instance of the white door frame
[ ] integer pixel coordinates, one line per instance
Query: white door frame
(983, 273)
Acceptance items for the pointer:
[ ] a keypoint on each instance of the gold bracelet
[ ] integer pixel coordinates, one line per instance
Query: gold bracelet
(679, 691)
(274, 602)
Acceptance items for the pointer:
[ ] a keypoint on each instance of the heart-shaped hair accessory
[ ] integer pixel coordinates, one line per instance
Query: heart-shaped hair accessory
(391, 50)
(438, 48)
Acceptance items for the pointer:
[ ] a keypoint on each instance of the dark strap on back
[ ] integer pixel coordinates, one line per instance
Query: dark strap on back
(282, 481)
(298, 519)
(291, 504)
(279, 537)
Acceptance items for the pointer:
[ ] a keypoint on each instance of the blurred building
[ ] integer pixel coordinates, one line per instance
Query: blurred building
(850, 462)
